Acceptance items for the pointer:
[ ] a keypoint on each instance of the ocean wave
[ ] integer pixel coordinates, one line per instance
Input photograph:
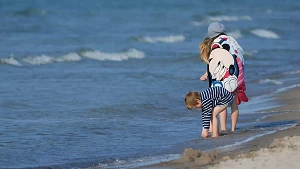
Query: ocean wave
(228, 18)
(138, 162)
(265, 34)
(256, 136)
(293, 72)
(235, 34)
(198, 23)
(70, 57)
(250, 53)
(97, 55)
(10, 61)
(210, 19)
(164, 39)
(74, 57)
(246, 140)
(287, 88)
(44, 59)
(271, 81)
(38, 60)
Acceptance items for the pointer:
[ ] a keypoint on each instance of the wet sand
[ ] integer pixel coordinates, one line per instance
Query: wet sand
(278, 150)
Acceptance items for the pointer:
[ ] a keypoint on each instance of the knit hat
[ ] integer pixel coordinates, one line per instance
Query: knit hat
(215, 29)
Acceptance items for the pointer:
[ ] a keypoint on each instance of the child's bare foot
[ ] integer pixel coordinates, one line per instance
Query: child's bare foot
(204, 133)
(215, 135)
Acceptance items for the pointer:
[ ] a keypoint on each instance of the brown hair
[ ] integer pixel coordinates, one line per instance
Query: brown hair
(191, 99)
(205, 49)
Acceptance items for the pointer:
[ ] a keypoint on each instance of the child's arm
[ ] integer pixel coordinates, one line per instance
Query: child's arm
(206, 117)
(204, 76)
(204, 131)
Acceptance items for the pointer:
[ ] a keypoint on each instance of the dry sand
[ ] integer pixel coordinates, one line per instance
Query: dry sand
(279, 150)
(283, 153)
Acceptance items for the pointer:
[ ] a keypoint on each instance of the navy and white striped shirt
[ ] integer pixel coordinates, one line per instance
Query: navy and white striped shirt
(211, 98)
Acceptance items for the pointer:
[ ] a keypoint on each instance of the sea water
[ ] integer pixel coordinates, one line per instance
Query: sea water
(102, 83)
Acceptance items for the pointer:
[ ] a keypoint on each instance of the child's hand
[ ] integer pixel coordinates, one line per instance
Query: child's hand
(203, 77)
(204, 133)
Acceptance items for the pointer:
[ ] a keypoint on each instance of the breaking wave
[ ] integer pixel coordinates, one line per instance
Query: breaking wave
(210, 19)
(10, 61)
(97, 55)
(265, 34)
(74, 57)
(271, 81)
(228, 18)
(162, 39)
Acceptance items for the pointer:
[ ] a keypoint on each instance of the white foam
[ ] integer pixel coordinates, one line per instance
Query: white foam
(130, 54)
(256, 136)
(287, 88)
(249, 53)
(210, 19)
(38, 60)
(265, 34)
(140, 162)
(293, 72)
(269, 11)
(228, 18)
(271, 81)
(10, 61)
(197, 23)
(70, 57)
(248, 139)
(235, 34)
(164, 39)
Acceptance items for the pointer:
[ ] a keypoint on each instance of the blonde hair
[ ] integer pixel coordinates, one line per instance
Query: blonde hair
(205, 49)
(191, 99)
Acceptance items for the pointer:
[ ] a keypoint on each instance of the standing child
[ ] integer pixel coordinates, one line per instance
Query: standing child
(212, 101)
(218, 39)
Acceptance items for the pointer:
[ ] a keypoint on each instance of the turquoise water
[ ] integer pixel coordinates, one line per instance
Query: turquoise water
(89, 82)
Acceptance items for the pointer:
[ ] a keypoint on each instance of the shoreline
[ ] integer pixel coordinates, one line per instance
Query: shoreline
(289, 110)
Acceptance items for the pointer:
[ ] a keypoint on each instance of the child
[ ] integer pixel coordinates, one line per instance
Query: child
(212, 101)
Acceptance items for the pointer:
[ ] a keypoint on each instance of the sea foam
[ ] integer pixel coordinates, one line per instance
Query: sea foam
(235, 34)
(44, 59)
(38, 60)
(265, 34)
(70, 57)
(10, 61)
(271, 81)
(162, 39)
(74, 57)
(287, 88)
(228, 18)
(210, 19)
(129, 54)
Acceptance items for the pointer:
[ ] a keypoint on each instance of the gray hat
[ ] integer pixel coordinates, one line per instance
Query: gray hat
(215, 29)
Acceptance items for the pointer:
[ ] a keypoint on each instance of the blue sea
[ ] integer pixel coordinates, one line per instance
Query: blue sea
(101, 84)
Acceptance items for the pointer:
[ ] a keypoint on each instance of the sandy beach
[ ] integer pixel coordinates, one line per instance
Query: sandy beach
(277, 150)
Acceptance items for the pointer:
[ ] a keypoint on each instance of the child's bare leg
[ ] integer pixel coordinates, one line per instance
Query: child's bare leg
(234, 112)
(215, 112)
(223, 119)
(210, 126)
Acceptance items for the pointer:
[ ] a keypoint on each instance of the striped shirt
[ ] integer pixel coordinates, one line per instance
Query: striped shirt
(210, 98)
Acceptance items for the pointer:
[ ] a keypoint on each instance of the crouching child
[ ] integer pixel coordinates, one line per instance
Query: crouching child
(212, 101)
